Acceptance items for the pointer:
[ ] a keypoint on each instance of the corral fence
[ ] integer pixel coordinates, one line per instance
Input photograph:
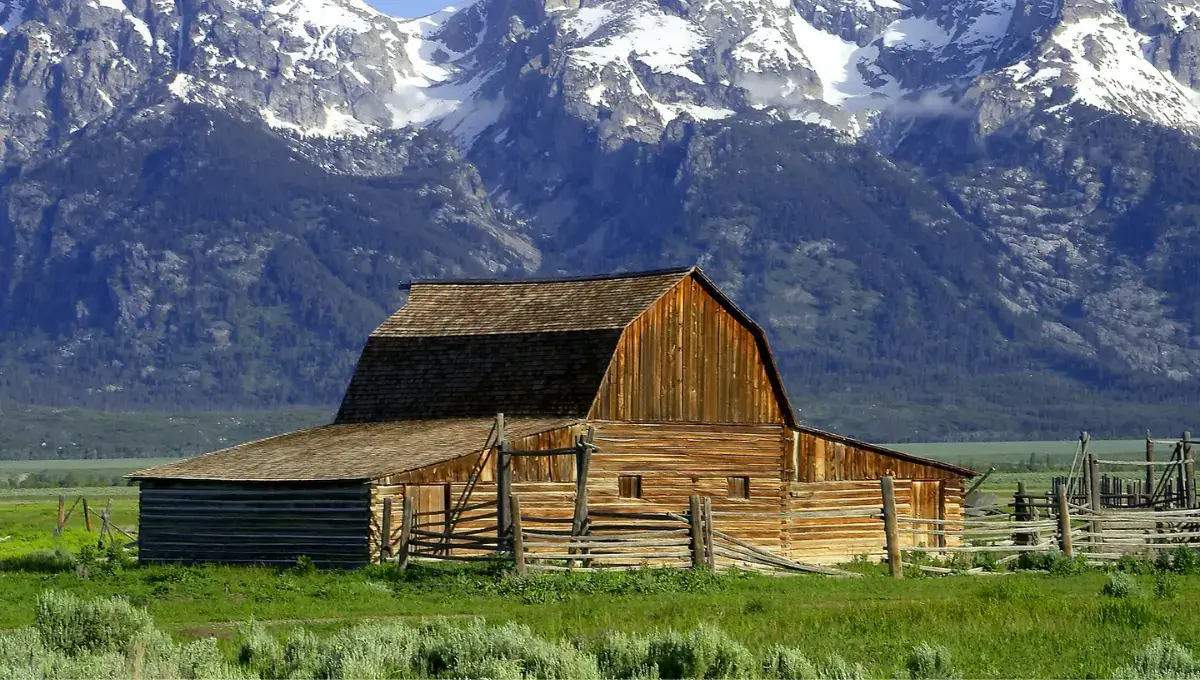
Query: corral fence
(1121, 481)
(1038, 525)
(601, 539)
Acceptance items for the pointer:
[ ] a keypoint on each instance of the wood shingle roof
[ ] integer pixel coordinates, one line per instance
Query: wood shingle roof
(347, 452)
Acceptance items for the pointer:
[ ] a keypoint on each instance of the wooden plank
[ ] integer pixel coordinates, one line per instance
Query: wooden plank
(385, 551)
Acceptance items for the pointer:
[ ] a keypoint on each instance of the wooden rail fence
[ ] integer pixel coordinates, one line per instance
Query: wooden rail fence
(108, 529)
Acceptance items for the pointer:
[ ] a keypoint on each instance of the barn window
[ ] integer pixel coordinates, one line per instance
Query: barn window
(629, 486)
(739, 487)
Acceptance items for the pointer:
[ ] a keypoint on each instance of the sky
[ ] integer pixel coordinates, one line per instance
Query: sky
(409, 8)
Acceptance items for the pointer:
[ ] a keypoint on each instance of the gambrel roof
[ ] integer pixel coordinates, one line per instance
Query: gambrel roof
(532, 347)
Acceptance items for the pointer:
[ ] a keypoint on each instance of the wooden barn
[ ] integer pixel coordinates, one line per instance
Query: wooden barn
(669, 388)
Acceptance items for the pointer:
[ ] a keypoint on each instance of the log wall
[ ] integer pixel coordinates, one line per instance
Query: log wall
(688, 359)
(830, 522)
(678, 460)
(253, 523)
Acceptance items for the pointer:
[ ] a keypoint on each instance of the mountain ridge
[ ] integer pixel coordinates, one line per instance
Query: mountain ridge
(210, 202)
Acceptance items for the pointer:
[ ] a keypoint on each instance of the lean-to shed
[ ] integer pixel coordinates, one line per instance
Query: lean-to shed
(676, 385)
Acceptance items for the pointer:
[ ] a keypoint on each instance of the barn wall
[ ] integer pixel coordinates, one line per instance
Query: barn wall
(840, 539)
(678, 460)
(248, 523)
(687, 359)
(817, 457)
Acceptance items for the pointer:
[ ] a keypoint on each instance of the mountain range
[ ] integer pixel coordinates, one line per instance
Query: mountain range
(973, 219)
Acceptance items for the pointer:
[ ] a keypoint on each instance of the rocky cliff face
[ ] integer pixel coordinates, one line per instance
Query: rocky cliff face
(212, 200)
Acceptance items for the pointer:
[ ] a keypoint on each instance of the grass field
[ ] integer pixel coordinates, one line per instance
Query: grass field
(1001, 626)
(28, 517)
(1026, 625)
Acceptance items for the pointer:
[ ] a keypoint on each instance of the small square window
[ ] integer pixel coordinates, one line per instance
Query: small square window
(739, 487)
(629, 486)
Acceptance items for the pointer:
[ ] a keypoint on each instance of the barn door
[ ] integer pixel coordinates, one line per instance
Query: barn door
(431, 505)
(928, 502)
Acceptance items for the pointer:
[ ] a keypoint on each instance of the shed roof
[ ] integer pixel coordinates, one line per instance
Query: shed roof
(361, 451)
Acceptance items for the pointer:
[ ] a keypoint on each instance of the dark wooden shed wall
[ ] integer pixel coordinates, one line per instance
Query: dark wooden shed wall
(253, 522)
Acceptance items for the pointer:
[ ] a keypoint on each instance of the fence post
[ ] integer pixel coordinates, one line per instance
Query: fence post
(1064, 523)
(87, 516)
(406, 525)
(518, 540)
(694, 521)
(1094, 499)
(583, 460)
(1021, 510)
(710, 555)
(104, 529)
(1149, 466)
(385, 544)
(504, 493)
(1189, 469)
(62, 502)
(890, 530)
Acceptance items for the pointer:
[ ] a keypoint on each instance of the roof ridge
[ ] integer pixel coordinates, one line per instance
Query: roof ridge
(550, 279)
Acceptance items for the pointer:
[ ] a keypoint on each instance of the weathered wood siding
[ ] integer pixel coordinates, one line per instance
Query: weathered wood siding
(546, 484)
(817, 457)
(253, 523)
(830, 521)
(678, 460)
(687, 359)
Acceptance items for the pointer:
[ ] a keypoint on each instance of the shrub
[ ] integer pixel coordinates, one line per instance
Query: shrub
(785, 662)
(704, 652)
(1166, 586)
(625, 655)
(304, 566)
(449, 651)
(1119, 586)
(1184, 560)
(987, 560)
(930, 661)
(71, 626)
(259, 651)
(1162, 659)
(202, 660)
(1055, 562)
(838, 668)
(1134, 564)
(371, 650)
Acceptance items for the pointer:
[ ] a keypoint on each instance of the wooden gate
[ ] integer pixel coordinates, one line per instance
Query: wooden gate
(431, 506)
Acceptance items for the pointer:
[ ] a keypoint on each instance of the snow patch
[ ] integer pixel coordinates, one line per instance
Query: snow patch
(1111, 72)
(142, 29)
(666, 43)
(585, 21)
(834, 60)
(16, 14)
